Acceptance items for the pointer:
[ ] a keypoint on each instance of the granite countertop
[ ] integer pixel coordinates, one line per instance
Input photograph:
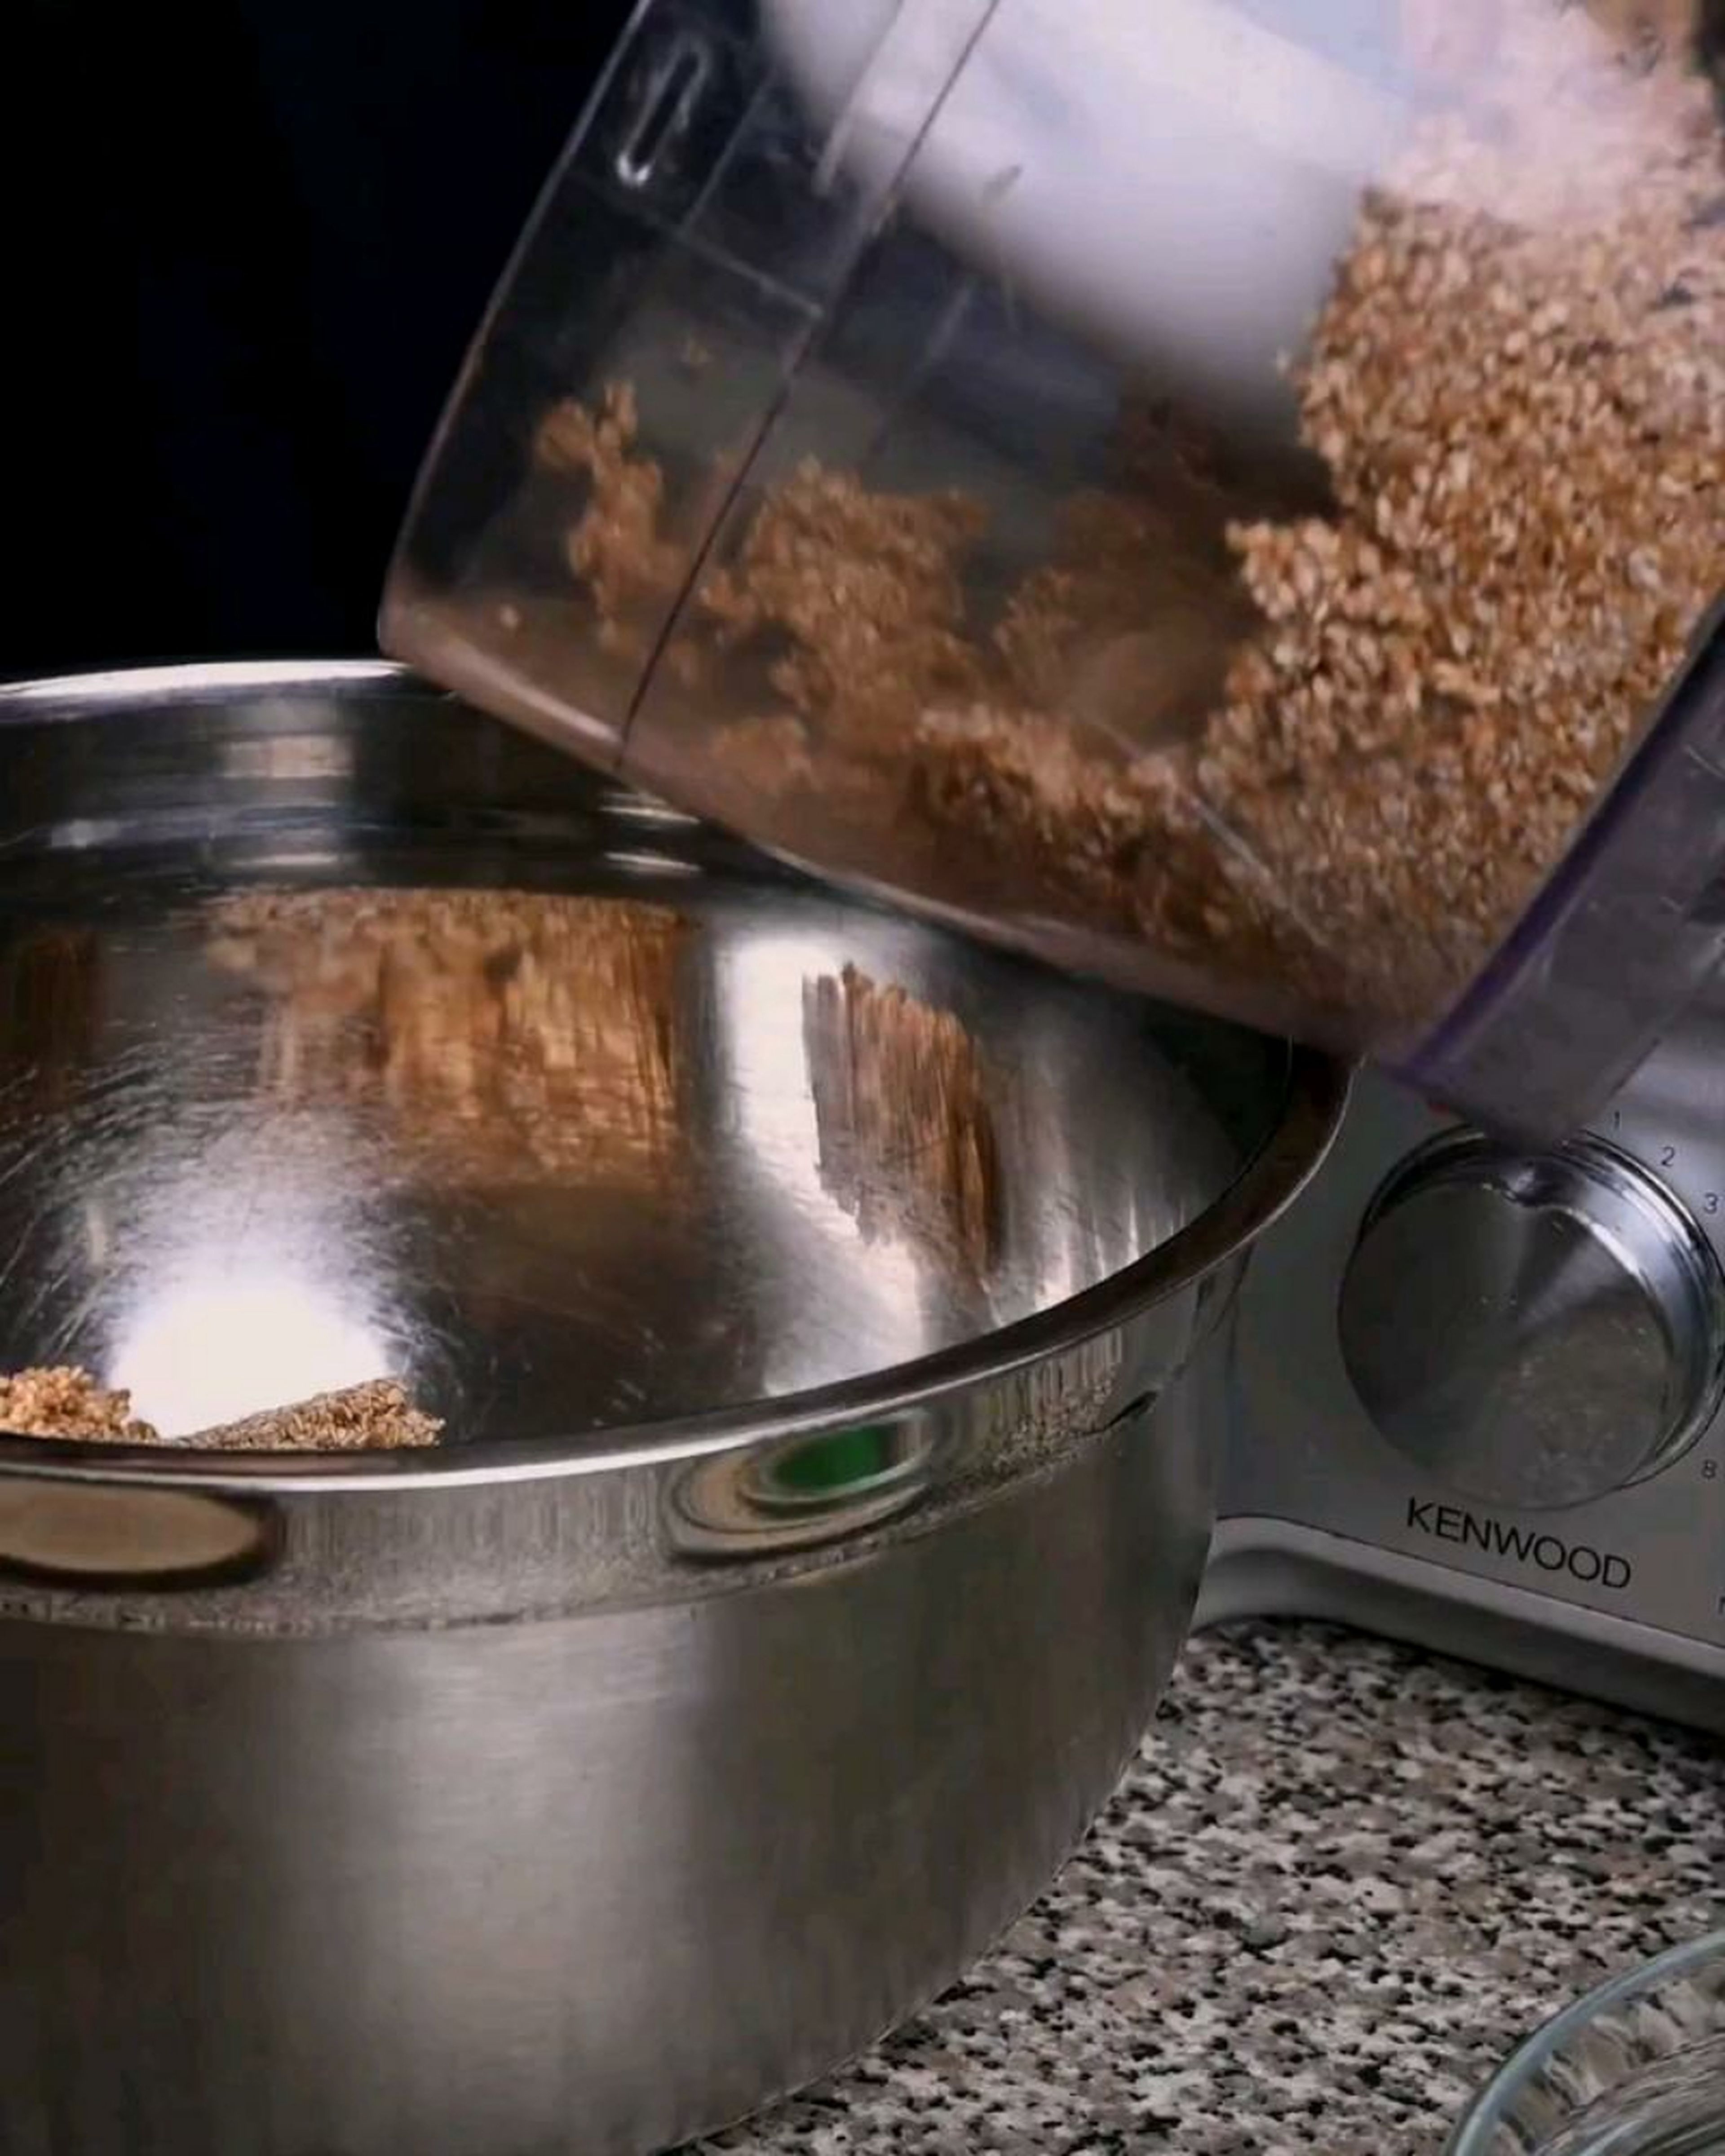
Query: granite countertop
(1340, 1880)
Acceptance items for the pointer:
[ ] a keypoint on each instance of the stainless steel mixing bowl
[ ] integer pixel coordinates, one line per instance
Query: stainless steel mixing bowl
(821, 1310)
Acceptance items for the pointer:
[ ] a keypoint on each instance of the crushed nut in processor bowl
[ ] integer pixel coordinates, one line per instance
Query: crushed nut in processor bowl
(1316, 741)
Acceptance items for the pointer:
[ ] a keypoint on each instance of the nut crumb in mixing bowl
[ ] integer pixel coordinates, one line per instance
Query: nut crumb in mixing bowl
(373, 1416)
(66, 1403)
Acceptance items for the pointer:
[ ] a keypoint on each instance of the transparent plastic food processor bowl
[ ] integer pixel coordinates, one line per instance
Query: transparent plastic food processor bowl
(1636, 2068)
(902, 435)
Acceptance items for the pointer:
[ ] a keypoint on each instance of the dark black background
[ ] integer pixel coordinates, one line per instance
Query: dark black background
(246, 242)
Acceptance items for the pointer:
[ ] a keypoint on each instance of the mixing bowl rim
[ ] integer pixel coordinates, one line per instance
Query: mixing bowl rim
(1314, 1094)
(76, 695)
(1488, 2111)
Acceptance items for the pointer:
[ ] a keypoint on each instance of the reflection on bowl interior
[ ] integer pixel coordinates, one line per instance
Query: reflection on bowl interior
(211, 1346)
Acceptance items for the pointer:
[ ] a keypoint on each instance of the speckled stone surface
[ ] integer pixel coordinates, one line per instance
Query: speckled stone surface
(1342, 1878)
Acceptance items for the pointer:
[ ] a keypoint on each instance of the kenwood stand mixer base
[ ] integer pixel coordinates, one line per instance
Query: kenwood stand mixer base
(1475, 1399)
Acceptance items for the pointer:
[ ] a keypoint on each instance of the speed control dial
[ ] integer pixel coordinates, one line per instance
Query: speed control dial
(1533, 1330)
